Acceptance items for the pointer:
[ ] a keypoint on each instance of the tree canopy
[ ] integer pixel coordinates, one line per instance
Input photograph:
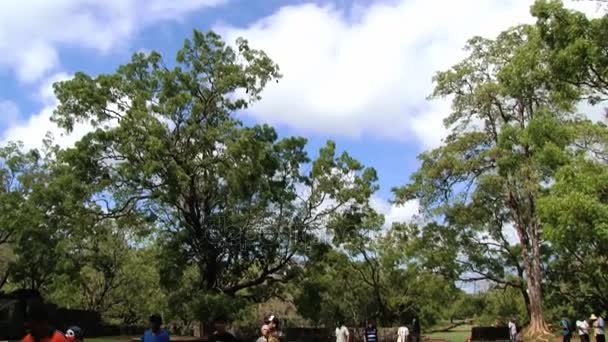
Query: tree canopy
(172, 204)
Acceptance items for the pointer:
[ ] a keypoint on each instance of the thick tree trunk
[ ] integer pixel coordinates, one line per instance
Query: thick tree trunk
(532, 257)
(537, 326)
(528, 231)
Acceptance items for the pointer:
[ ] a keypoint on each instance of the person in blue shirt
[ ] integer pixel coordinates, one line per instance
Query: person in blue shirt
(155, 333)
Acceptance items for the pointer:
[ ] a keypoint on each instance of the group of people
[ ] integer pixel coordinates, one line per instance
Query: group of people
(584, 329)
(404, 333)
(41, 330)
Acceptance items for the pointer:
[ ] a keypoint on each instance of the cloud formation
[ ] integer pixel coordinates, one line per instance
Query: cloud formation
(363, 70)
(32, 31)
(35, 128)
(396, 213)
(366, 70)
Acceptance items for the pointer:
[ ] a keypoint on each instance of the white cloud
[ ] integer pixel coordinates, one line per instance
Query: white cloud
(367, 70)
(31, 31)
(33, 130)
(396, 213)
(595, 112)
(9, 112)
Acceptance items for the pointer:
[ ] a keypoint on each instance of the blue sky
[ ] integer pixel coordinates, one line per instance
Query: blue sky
(355, 71)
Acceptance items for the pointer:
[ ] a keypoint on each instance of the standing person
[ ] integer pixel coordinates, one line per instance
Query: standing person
(220, 334)
(156, 333)
(275, 333)
(371, 333)
(583, 330)
(265, 334)
(513, 330)
(342, 333)
(566, 332)
(416, 331)
(598, 326)
(40, 330)
(402, 334)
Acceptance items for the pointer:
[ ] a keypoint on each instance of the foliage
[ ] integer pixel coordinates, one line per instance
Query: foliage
(573, 211)
(577, 48)
(233, 201)
(508, 136)
(172, 205)
(575, 221)
(370, 279)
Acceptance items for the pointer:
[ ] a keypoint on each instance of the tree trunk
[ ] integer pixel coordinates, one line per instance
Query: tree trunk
(532, 257)
(528, 231)
(524, 293)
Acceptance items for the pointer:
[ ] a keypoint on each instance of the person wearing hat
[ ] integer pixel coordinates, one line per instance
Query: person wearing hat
(156, 333)
(38, 325)
(74, 334)
(220, 334)
(598, 327)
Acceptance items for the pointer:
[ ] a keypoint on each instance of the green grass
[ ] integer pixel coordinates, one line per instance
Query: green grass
(110, 339)
(458, 334)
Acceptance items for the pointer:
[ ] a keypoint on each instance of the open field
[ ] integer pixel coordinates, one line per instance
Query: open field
(110, 339)
(458, 334)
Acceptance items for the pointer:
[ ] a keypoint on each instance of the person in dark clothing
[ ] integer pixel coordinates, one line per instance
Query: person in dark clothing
(220, 334)
(416, 331)
(566, 329)
(371, 333)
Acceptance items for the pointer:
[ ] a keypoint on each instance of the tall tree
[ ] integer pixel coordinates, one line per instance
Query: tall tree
(573, 213)
(575, 217)
(15, 166)
(39, 212)
(508, 136)
(234, 201)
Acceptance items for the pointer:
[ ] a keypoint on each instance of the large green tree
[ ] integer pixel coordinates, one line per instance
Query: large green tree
(15, 166)
(42, 207)
(236, 202)
(574, 213)
(373, 262)
(508, 137)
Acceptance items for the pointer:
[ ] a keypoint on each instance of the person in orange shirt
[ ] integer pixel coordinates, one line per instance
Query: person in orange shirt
(38, 324)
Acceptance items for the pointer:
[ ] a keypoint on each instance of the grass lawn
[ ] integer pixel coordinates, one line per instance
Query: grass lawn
(458, 334)
(110, 339)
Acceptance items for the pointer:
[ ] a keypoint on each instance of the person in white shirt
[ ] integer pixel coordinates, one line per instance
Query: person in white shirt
(583, 330)
(342, 333)
(513, 330)
(598, 325)
(402, 334)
